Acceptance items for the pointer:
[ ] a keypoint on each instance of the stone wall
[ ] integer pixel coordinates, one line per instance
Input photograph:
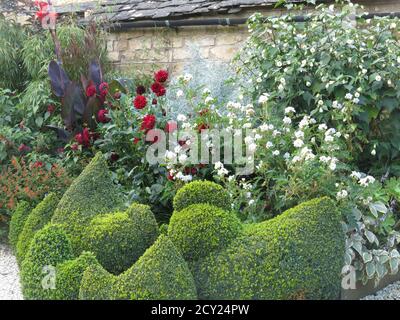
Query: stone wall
(171, 48)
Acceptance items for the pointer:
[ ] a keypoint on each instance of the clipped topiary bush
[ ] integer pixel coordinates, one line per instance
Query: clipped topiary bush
(97, 284)
(17, 222)
(297, 255)
(161, 273)
(36, 220)
(69, 276)
(202, 192)
(202, 228)
(92, 193)
(119, 239)
(50, 246)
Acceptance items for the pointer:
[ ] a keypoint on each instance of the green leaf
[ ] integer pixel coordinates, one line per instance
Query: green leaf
(370, 236)
(39, 121)
(370, 269)
(367, 257)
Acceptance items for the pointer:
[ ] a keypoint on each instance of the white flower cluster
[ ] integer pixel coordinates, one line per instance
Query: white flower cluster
(221, 171)
(363, 180)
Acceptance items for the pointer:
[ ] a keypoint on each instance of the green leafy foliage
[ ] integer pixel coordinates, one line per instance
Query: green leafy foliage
(161, 273)
(297, 255)
(200, 229)
(202, 192)
(340, 73)
(50, 246)
(92, 193)
(36, 220)
(119, 239)
(18, 219)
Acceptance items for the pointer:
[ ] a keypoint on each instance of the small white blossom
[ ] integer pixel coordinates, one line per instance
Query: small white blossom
(269, 145)
(263, 98)
(290, 110)
(298, 143)
(287, 120)
(179, 93)
(342, 194)
(378, 78)
(276, 152)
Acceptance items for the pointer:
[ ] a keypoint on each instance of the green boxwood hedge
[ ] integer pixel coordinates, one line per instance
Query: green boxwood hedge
(36, 220)
(119, 239)
(202, 228)
(297, 255)
(161, 273)
(50, 246)
(202, 192)
(17, 222)
(92, 193)
(69, 276)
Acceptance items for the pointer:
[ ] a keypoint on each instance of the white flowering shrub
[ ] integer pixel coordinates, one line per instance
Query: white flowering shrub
(341, 69)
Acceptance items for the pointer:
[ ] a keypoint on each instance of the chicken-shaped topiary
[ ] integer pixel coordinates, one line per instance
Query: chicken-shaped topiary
(160, 273)
(92, 193)
(297, 255)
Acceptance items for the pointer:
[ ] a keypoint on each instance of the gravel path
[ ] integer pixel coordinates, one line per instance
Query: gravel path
(10, 288)
(391, 292)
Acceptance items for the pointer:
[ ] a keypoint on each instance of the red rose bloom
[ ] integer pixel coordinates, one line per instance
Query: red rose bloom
(51, 108)
(140, 102)
(161, 76)
(90, 90)
(158, 89)
(148, 122)
(103, 88)
(75, 146)
(136, 140)
(171, 126)
(140, 90)
(83, 138)
(102, 116)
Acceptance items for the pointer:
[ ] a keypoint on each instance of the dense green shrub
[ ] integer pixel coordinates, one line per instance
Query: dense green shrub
(161, 273)
(17, 222)
(119, 239)
(202, 192)
(97, 284)
(92, 193)
(36, 220)
(297, 255)
(50, 246)
(202, 228)
(12, 37)
(339, 68)
(69, 276)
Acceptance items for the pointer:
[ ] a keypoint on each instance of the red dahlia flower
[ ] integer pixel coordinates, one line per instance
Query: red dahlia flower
(140, 90)
(161, 76)
(90, 90)
(148, 122)
(83, 138)
(102, 116)
(103, 88)
(140, 102)
(158, 89)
